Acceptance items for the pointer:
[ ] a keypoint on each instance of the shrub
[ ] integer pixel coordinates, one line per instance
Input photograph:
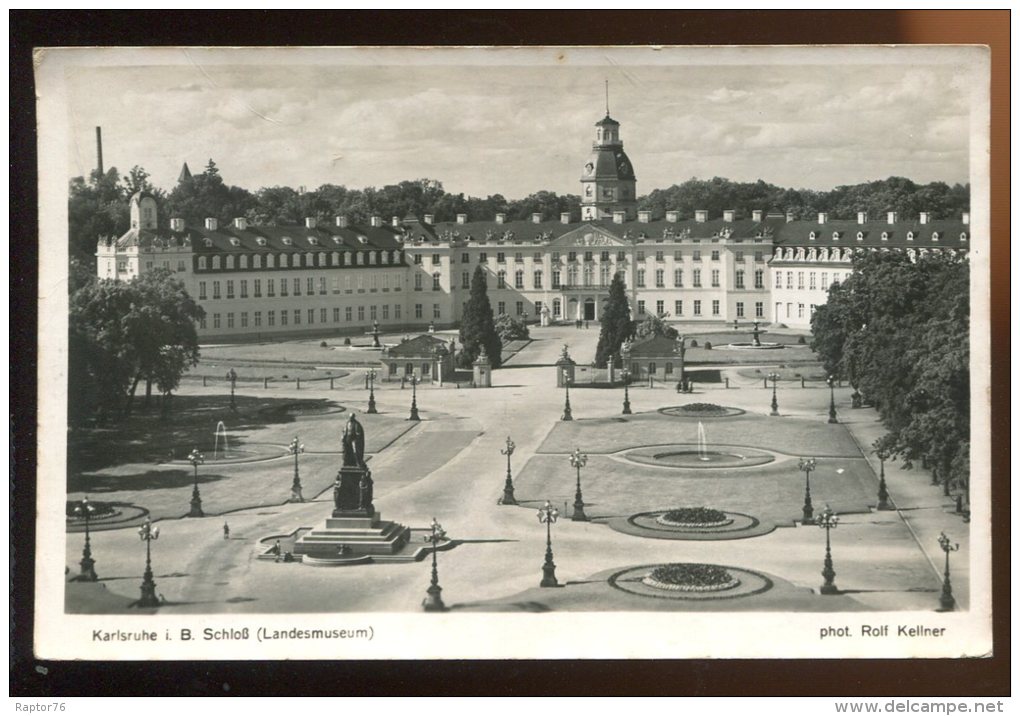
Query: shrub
(801, 341)
(695, 575)
(322, 344)
(708, 345)
(347, 341)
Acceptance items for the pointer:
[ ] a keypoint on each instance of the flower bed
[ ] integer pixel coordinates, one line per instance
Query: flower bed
(704, 409)
(693, 517)
(688, 577)
(99, 510)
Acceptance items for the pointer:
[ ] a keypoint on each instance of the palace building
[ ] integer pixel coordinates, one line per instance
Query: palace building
(407, 273)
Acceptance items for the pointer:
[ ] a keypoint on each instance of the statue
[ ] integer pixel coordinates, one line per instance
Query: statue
(353, 443)
(365, 493)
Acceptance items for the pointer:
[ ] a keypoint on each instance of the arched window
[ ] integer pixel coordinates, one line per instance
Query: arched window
(361, 258)
(336, 258)
(244, 261)
(322, 259)
(347, 258)
(230, 262)
(385, 256)
(283, 261)
(215, 262)
(309, 259)
(256, 261)
(371, 258)
(202, 264)
(270, 260)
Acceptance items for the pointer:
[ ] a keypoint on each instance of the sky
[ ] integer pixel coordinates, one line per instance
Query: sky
(515, 130)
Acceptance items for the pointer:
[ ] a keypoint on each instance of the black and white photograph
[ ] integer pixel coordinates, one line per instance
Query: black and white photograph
(544, 352)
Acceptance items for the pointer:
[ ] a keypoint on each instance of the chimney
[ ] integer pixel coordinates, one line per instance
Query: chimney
(210, 224)
(756, 215)
(701, 216)
(341, 221)
(644, 216)
(672, 216)
(565, 217)
(729, 215)
(536, 218)
(501, 218)
(822, 217)
(99, 150)
(177, 224)
(376, 221)
(309, 222)
(789, 217)
(394, 221)
(240, 223)
(966, 217)
(862, 217)
(619, 217)
(430, 219)
(461, 218)
(925, 217)
(891, 216)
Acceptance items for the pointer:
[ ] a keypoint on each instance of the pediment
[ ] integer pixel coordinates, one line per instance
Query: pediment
(588, 235)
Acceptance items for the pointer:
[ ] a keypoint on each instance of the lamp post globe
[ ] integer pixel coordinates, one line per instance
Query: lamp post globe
(547, 515)
(828, 521)
(196, 458)
(806, 465)
(774, 377)
(578, 460)
(508, 486)
(296, 448)
(831, 380)
(947, 602)
(148, 533)
(88, 565)
(433, 601)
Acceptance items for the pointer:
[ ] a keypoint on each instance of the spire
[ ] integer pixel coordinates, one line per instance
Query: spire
(607, 97)
(185, 174)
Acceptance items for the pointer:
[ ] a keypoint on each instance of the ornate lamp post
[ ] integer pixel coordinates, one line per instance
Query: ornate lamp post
(883, 493)
(88, 565)
(828, 520)
(566, 399)
(774, 377)
(807, 464)
(147, 533)
(832, 398)
(371, 392)
(508, 487)
(414, 398)
(433, 602)
(232, 377)
(681, 348)
(548, 514)
(296, 448)
(578, 460)
(196, 458)
(375, 334)
(626, 392)
(946, 601)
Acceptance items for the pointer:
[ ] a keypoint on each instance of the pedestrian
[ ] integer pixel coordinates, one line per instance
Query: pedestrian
(226, 531)
(586, 325)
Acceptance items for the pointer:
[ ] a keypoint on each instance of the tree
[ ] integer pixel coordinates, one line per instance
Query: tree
(654, 326)
(616, 325)
(477, 328)
(509, 328)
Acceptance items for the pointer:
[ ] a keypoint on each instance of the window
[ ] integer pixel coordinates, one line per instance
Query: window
(396, 311)
(336, 314)
(669, 369)
(465, 258)
(571, 256)
(697, 308)
(604, 272)
(738, 256)
(297, 287)
(555, 256)
(435, 310)
(361, 314)
(283, 287)
(519, 258)
(435, 259)
(271, 318)
(322, 315)
(715, 307)
(271, 287)
(417, 310)
(715, 278)
(697, 278)
(322, 286)
(557, 308)
(789, 309)
(436, 285)
(621, 255)
(660, 308)
(537, 279)
(283, 318)
(759, 256)
(812, 283)
(297, 317)
(417, 282)
(651, 368)
(386, 311)
(230, 289)
(556, 279)
(604, 256)
(779, 279)
(759, 278)
(244, 288)
(336, 284)
(372, 312)
(660, 278)
(258, 288)
(201, 291)
(571, 275)
(215, 289)
(348, 314)
(740, 309)
(309, 286)
(258, 319)
(659, 256)
(501, 307)
(640, 278)
(501, 279)
(244, 319)
(148, 266)
(800, 310)
(678, 278)
(715, 255)
(230, 262)
(588, 255)
(500, 257)
(696, 256)
(678, 255)
(825, 281)
(640, 255)
(759, 309)
(465, 279)
(519, 307)
(641, 308)
(789, 279)
(519, 278)
(417, 259)
(538, 308)
(739, 278)
(202, 264)
(800, 280)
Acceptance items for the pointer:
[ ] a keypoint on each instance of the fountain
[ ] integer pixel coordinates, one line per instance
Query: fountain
(702, 443)
(221, 429)
(755, 344)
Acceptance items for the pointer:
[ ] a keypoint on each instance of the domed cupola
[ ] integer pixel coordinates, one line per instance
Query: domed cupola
(607, 178)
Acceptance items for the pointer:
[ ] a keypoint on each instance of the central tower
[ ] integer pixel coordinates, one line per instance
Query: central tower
(607, 180)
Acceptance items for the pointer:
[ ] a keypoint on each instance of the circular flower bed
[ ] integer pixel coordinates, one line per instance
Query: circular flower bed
(704, 409)
(688, 577)
(693, 517)
(99, 510)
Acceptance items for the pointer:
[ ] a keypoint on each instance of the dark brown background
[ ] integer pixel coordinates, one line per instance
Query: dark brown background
(30, 677)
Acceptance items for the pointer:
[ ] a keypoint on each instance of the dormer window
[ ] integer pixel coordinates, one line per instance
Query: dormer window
(363, 239)
(811, 236)
(860, 236)
(287, 241)
(935, 236)
(835, 236)
(261, 241)
(337, 240)
(235, 241)
(910, 236)
(885, 236)
(963, 236)
(313, 240)
(208, 243)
